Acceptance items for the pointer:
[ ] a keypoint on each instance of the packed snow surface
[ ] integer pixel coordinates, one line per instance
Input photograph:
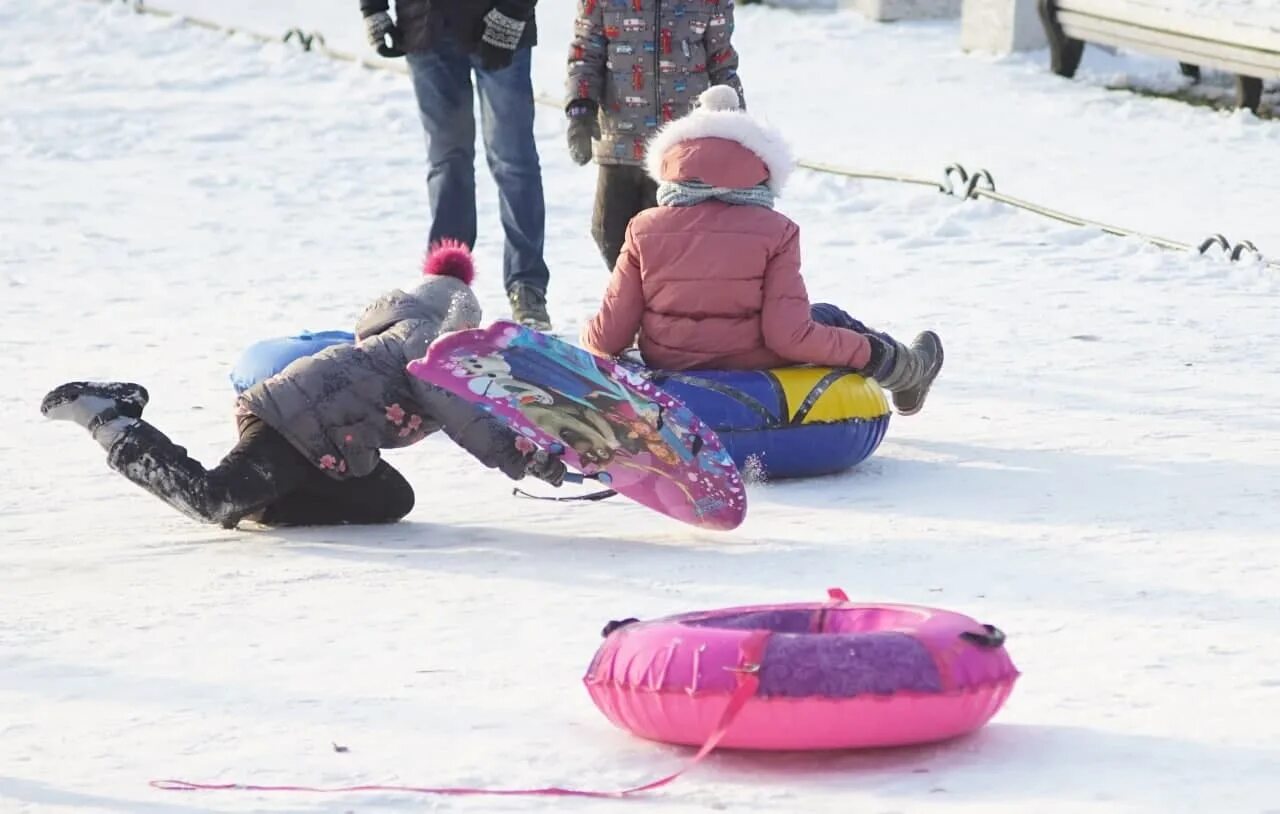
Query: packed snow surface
(1095, 472)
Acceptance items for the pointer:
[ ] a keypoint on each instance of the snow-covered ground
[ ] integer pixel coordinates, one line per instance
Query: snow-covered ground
(1095, 472)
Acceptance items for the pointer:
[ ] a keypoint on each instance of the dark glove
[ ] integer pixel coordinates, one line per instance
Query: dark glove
(383, 34)
(546, 467)
(499, 40)
(584, 126)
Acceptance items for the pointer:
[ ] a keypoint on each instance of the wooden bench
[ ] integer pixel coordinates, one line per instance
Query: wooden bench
(1250, 51)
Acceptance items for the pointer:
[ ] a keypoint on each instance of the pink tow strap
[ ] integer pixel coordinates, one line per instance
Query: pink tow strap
(748, 682)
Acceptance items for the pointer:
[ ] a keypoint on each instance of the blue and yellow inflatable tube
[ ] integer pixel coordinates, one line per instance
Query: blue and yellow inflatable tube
(791, 422)
(264, 359)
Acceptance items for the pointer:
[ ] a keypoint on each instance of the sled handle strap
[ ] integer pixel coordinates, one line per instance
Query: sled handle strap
(750, 657)
(574, 477)
(604, 494)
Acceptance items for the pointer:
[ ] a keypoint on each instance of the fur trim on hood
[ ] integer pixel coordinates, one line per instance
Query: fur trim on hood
(718, 116)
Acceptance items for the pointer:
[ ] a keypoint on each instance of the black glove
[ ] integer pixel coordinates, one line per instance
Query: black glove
(499, 39)
(546, 467)
(584, 126)
(383, 34)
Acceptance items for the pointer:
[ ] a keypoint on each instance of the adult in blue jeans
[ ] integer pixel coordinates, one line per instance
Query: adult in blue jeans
(445, 43)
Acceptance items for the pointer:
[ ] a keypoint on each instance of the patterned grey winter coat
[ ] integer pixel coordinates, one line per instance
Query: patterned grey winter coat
(643, 62)
(344, 404)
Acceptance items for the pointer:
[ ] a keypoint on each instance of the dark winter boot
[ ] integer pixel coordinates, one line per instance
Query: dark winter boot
(906, 372)
(529, 307)
(92, 404)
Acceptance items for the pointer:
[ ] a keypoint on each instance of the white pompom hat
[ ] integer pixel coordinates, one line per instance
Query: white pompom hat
(719, 115)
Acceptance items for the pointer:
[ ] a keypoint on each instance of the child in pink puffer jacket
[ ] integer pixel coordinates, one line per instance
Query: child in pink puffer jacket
(710, 278)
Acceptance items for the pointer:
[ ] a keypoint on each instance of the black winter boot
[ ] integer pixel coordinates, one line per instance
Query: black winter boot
(92, 404)
(529, 307)
(911, 372)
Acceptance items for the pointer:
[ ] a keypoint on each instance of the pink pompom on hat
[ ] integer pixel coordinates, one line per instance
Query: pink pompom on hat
(449, 258)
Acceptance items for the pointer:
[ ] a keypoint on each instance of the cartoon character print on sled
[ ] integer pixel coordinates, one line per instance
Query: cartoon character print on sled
(490, 376)
(610, 420)
(569, 398)
(594, 423)
(640, 425)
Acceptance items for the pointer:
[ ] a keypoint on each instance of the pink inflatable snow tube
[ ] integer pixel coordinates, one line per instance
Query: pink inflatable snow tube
(832, 675)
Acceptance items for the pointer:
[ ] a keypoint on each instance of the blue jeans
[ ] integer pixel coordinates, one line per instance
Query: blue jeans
(824, 313)
(442, 84)
(882, 359)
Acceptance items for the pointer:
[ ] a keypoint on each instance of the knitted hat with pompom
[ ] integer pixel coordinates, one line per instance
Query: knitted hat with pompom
(449, 258)
(447, 273)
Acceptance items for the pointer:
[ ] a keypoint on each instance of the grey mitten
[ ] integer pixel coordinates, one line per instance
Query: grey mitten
(546, 467)
(584, 127)
(383, 34)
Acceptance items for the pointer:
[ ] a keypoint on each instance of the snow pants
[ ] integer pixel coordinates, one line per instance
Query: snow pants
(622, 192)
(263, 478)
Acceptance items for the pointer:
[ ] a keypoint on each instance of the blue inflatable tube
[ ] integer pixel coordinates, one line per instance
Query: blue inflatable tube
(791, 422)
(264, 359)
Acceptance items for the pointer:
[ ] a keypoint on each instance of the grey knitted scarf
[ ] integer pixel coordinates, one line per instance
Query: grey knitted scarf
(688, 193)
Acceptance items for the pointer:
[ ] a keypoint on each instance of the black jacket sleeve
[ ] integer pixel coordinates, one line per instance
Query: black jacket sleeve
(516, 9)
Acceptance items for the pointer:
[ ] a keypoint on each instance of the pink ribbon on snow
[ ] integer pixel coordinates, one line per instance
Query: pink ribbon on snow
(752, 652)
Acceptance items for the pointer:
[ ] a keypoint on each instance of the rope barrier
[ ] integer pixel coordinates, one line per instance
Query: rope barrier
(956, 180)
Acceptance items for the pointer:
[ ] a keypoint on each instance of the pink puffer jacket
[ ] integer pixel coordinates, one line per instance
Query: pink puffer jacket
(715, 285)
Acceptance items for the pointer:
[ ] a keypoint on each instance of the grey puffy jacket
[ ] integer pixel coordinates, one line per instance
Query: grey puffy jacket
(344, 404)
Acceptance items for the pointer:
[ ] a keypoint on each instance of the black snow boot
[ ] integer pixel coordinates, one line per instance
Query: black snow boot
(92, 404)
(529, 307)
(906, 372)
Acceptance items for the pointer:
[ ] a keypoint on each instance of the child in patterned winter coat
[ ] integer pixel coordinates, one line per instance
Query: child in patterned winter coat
(710, 278)
(310, 436)
(633, 66)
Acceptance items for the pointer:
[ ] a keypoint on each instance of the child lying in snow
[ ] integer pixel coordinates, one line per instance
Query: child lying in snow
(710, 278)
(310, 436)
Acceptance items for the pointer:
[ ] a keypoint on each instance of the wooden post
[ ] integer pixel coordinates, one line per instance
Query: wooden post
(1248, 92)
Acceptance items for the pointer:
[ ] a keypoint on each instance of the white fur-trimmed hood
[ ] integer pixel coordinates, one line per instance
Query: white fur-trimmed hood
(718, 116)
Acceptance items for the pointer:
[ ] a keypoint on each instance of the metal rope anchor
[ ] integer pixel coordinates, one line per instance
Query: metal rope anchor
(304, 39)
(1234, 252)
